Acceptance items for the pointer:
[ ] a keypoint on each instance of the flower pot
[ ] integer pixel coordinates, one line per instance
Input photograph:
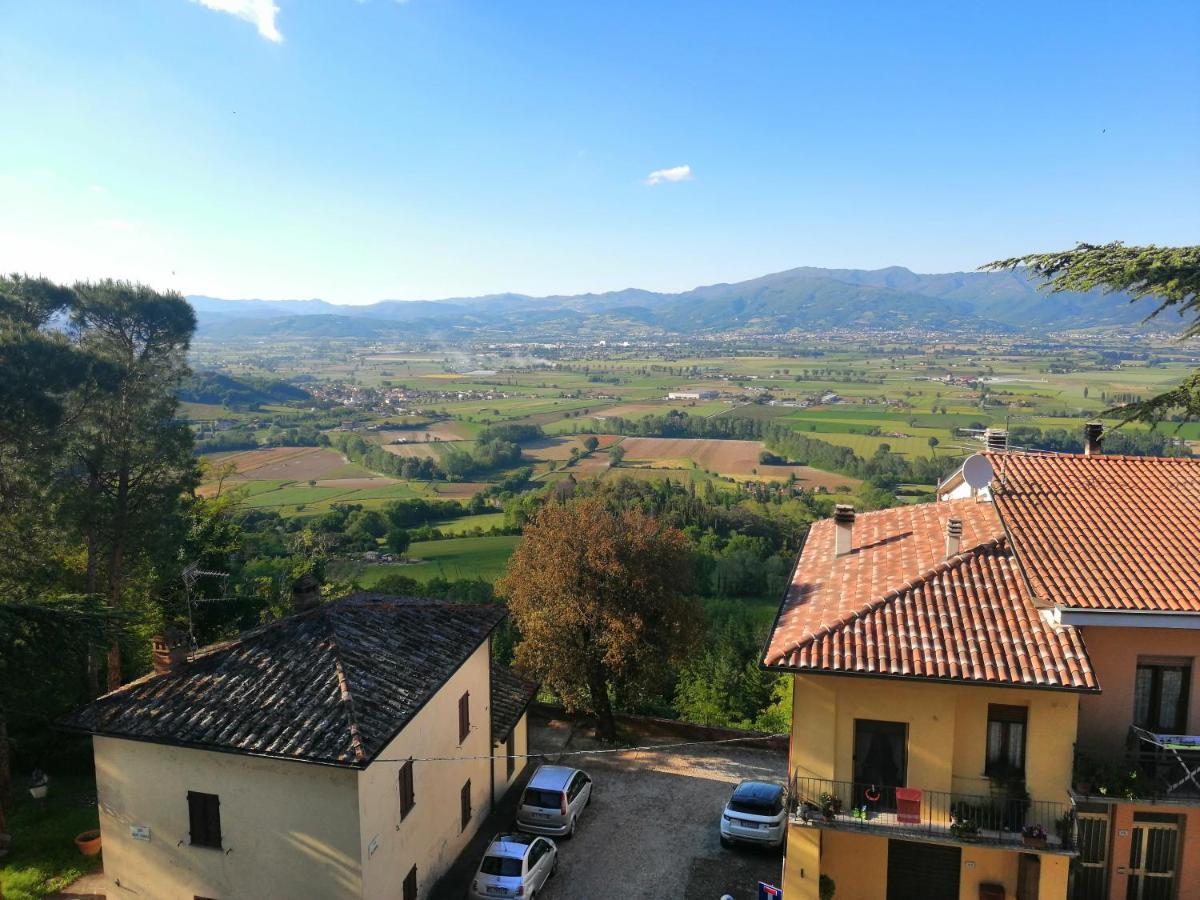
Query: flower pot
(1034, 843)
(88, 842)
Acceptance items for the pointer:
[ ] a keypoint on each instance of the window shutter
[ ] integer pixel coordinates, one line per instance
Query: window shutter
(466, 804)
(410, 884)
(407, 791)
(464, 716)
(197, 823)
(213, 816)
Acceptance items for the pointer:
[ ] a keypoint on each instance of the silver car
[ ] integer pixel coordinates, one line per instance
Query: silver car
(515, 865)
(755, 814)
(553, 800)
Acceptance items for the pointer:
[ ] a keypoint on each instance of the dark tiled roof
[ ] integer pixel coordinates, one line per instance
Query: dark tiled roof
(970, 618)
(332, 685)
(511, 696)
(1104, 532)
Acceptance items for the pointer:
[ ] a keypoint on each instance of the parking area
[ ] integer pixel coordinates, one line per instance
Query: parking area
(652, 828)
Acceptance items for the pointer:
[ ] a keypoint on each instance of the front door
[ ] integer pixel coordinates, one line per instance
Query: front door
(880, 762)
(1153, 857)
(1091, 876)
(922, 871)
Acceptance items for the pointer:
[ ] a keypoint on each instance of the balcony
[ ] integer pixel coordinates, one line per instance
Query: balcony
(937, 816)
(1153, 768)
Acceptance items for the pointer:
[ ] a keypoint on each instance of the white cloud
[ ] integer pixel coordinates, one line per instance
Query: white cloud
(260, 13)
(98, 189)
(674, 174)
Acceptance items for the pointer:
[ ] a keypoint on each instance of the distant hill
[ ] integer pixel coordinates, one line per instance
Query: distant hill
(249, 393)
(803, 298)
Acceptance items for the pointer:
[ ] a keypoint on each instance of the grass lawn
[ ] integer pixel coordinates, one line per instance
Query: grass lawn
(43, 858)
(453, 558)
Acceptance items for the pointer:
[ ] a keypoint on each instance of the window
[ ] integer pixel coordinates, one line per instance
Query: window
(407, 797)
(1006, 741)
(204, 819)
(410, 884)
(510, 755)
(464, 716)
(465, 802)
(1160, 695)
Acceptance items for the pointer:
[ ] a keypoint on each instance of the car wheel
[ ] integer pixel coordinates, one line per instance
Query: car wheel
(725, 842)
(554, 867)
(571, 831)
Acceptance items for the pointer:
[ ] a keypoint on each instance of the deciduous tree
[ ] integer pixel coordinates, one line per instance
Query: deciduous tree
(601, 601)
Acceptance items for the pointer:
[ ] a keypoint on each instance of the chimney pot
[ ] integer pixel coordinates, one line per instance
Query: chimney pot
(843, 519)
(954, 530)
(1093, 435)
(168, 651)
(306, 593)
(996, 439)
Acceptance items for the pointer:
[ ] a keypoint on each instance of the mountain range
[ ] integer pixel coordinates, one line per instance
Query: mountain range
(803, 299)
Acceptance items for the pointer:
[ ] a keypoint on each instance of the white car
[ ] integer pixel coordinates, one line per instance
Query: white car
(515, 865)
(755, 814)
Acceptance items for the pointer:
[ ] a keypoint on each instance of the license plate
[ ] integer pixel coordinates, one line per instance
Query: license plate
(542, 815)
(498, 891)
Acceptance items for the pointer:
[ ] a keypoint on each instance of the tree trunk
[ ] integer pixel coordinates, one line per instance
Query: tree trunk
(114, 600)
(5, 773)
(606, 726)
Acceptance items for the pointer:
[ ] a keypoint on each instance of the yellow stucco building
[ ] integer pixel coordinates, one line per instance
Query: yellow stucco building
(967, 673)
(297, 760)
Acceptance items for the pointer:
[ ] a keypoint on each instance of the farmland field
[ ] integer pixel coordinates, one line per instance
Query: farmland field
(454, 558)
(723, 457)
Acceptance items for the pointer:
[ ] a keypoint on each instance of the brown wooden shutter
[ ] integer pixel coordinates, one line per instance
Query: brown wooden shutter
(464, 716)
(410, 884)
(466, 804)
(407, 791)
(204, 819)
(196, 820)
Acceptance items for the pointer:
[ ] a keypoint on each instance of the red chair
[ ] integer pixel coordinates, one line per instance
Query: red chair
(908, 806)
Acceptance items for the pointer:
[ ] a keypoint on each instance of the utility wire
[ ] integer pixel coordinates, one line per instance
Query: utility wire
(739, 740)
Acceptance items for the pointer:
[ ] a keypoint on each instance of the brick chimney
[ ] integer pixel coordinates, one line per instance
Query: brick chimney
(996, 439)
(306, 593)
(168, 651)
(843, 523)
(954, 528)
(1093, 435)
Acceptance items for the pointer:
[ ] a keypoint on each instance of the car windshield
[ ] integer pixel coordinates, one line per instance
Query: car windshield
(501, 865)
(543, 799)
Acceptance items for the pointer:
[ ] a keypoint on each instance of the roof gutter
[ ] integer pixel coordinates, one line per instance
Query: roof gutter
(1128, 618)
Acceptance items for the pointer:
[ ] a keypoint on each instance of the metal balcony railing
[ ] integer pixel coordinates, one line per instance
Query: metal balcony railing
(997, 819)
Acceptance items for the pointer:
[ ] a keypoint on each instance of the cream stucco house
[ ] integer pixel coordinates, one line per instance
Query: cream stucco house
(295, 761)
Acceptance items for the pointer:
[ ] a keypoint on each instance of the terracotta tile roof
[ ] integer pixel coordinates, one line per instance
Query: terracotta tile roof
(332, 685)
(511, 696)
(894, 606)
(1104, 532)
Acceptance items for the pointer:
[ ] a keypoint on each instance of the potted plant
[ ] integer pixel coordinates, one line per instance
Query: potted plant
(88, 842)
(39, 784)
(831, 805)
(1064, 827)
(826, 888)
(1034, 837)
(965, 829)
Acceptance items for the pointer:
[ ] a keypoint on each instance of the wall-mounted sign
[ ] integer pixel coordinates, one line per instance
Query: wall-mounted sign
(139, 832)
(373, 846)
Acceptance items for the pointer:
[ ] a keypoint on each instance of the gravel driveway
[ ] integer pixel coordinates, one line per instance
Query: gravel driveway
(652, 828)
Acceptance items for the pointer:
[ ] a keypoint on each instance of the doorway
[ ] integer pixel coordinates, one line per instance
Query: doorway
(880, 762)
(918, 871)
(1153, 857)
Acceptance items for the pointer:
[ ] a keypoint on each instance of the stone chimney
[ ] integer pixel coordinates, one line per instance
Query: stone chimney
(306, 593)
(843, 523)
(953, 537)
(168, 651)
(996, 439)
(1093, 435)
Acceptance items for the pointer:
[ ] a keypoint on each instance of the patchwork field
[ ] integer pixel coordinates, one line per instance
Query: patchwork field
(291, 463)
(737, 458)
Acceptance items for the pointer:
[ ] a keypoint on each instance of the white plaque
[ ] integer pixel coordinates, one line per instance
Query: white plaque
(139, 832)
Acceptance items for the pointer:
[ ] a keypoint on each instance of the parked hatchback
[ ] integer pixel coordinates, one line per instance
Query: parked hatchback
(553, 800)
(515, 865)
(755, 814)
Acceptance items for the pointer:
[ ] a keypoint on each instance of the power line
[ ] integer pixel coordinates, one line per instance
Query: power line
(647, 747)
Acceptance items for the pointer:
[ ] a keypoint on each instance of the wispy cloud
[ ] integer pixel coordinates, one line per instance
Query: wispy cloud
(674, 174)
(260, 13)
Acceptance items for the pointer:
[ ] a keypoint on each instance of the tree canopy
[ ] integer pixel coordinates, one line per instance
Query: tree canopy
(600, 598)
(1168, 275)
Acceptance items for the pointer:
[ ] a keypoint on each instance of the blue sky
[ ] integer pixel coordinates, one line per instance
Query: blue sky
(365, 150)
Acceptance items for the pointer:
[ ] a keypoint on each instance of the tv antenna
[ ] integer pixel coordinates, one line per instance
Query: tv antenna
(192, 574)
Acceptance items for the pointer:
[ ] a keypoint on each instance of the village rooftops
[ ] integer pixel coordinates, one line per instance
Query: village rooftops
(1103, 532)
(511, 696)
(888, 600)
(332, 685)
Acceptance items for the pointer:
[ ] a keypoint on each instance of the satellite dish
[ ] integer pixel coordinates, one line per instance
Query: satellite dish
(977, 471)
